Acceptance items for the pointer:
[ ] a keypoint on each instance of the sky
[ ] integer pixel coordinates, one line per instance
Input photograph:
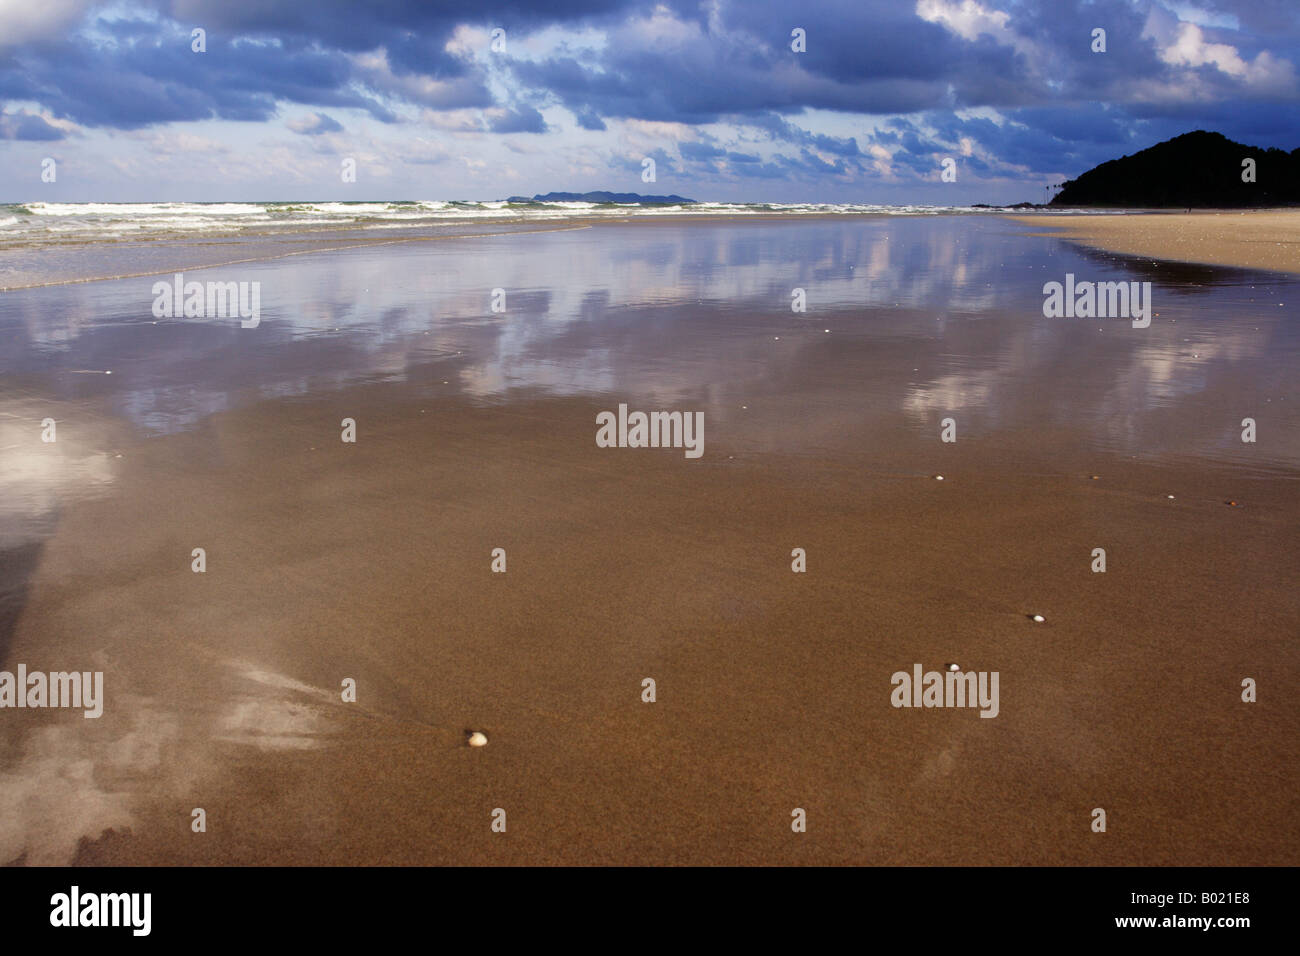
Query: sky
(491, 98)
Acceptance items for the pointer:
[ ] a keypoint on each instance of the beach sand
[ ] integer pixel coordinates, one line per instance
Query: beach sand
(773, 687)
(372, 561)
(1249, 239)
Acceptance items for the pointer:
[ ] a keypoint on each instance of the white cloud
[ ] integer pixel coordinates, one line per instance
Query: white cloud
(1186, 45)
(967, 19)
(1190, 49)
(22, 21)
(970, 20)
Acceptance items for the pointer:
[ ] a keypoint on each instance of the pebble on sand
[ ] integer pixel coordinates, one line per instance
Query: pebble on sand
(1037, 618)
(954, 668)
(477, 739)
(938, 477)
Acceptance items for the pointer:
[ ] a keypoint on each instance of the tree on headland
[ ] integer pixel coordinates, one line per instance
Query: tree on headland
(1196, 170)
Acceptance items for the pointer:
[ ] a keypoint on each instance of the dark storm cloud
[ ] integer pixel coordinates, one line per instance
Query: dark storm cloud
(695, 63)
(1264, 17)
(421, 27)
(860, 42)
(1089, 123)
(1067, 104)
(317, 125)
(155, 77)
(27, 126)
(785, 131)
(522, 119)
(862, 57)
(664, 162)
(1266, 124)
(706, 155)
(1026, 141)
(818, 165)
(587, 119)
(703, 151)
(257, 53)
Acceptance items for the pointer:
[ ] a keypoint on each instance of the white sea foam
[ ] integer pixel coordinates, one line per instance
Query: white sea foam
(55, 222)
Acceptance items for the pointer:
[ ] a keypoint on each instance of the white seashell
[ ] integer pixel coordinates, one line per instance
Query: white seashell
(1038, 618)
(938, 477)
(954, 668)
(477, 739)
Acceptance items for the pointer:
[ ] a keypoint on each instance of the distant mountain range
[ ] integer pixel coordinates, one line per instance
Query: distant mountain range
(1200, 169)
(602, 196)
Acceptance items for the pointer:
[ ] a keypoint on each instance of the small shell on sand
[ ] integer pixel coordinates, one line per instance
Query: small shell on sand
(1037, 618)
(477, 739)
(954, 668)
(938, 477)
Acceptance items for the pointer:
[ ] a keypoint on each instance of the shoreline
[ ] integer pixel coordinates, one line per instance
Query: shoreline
(1248, 239)
(1266, 239)
(320, 241)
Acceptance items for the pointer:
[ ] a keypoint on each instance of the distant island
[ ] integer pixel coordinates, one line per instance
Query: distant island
(602, 196)
(1196, 170)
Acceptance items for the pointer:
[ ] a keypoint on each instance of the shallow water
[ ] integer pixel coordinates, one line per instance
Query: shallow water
(908, 321)
(690, 312)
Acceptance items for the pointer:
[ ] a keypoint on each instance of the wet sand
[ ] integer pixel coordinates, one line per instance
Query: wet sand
(328, 561)
(372, 561)
(1252, 239)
